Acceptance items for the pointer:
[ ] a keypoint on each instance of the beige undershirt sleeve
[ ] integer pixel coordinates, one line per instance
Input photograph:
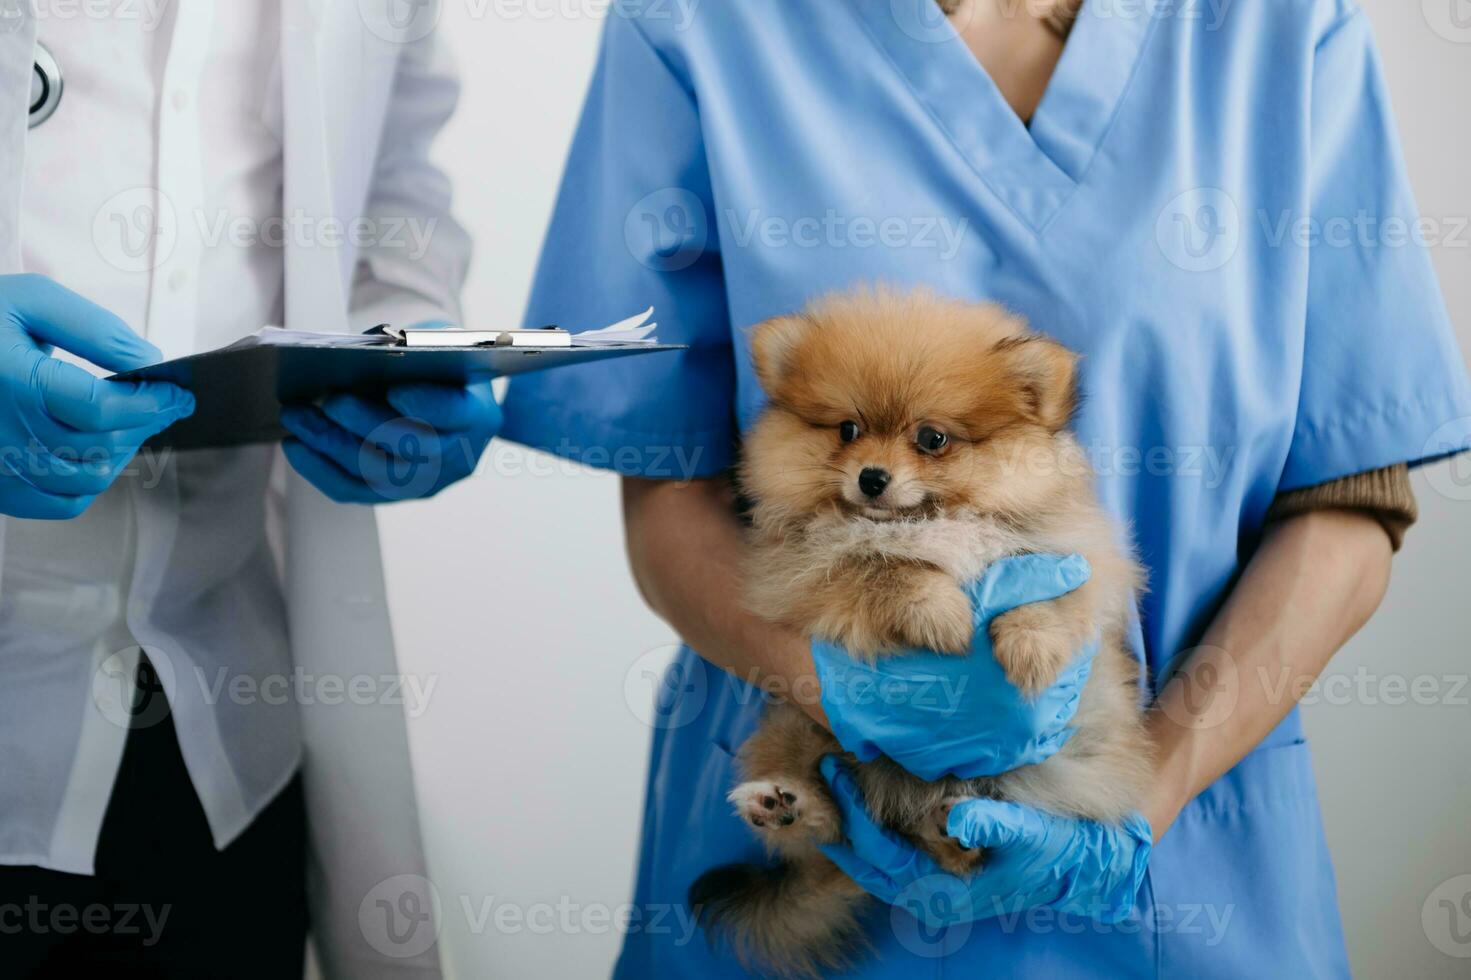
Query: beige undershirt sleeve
(1384, 494)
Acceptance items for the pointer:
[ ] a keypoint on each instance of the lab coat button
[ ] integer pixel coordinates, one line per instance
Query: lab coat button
(178, 279)
(180, 99)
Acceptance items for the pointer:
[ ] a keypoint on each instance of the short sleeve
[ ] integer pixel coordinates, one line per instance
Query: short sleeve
(630, 230)
(1383, 380)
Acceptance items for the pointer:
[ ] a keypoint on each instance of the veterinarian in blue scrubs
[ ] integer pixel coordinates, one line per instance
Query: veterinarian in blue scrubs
(729, 168)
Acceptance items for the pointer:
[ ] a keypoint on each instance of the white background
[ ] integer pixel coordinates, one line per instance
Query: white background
(512, 591)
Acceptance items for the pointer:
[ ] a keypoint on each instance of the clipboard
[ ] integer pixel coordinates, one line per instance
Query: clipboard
(239, 390)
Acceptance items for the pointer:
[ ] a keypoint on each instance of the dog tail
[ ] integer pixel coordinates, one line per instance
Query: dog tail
(795, 919)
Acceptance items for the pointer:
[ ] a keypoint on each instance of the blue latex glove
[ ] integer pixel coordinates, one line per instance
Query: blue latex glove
(409, 443)
(65, 435)
(938, 714)
(1033, 859)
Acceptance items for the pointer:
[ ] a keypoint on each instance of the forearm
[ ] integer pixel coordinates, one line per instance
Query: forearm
(684, 546)
(1313, 582)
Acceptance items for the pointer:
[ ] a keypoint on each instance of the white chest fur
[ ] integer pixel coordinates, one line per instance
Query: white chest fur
(962, 547)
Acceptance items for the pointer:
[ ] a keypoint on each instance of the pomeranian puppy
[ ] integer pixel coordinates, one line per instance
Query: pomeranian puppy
(909, 442)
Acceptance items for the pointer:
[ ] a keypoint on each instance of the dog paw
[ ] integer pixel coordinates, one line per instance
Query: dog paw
(1032, 644)
(766, 805)
(944, 622)
(934, 835)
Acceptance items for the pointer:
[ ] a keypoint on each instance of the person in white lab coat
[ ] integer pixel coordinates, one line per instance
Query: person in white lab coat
(221, 166)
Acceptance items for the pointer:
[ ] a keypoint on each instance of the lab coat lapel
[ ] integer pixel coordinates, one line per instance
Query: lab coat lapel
(368, 865)
(315, 293)
(17, 56)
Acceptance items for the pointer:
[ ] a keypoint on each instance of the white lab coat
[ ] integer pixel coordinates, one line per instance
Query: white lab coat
(346, 80)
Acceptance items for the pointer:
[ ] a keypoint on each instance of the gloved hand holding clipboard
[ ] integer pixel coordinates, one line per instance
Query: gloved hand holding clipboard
(240, 389)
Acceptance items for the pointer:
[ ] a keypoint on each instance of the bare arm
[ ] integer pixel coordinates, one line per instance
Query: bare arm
(1313, 582)
(684, 544)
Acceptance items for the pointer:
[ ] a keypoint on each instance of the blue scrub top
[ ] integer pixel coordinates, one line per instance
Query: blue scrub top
(1210, 204)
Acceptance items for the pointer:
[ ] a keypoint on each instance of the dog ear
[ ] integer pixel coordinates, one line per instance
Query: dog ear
(1045, 375)
(773, 348)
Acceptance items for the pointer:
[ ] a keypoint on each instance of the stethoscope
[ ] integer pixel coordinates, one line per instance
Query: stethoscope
(45, 86)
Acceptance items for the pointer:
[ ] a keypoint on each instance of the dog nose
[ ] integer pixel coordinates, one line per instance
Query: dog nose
(872, 481)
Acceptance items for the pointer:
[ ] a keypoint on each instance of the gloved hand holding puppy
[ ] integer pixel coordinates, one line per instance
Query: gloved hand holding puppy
(939, 715)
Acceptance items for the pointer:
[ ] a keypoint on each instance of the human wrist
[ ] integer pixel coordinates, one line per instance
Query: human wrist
(780, 663)
(1172, 784)
(806, 682)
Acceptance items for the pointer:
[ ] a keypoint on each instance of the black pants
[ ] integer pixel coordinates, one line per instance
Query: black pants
(164, 903)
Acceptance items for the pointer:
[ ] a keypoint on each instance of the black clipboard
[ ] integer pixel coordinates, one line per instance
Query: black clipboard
(239, 390)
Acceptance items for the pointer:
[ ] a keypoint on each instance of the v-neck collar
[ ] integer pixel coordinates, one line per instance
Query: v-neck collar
(1032, 170)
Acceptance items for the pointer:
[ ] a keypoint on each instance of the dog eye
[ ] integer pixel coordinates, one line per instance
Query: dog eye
(930, 439)
(848, 431)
